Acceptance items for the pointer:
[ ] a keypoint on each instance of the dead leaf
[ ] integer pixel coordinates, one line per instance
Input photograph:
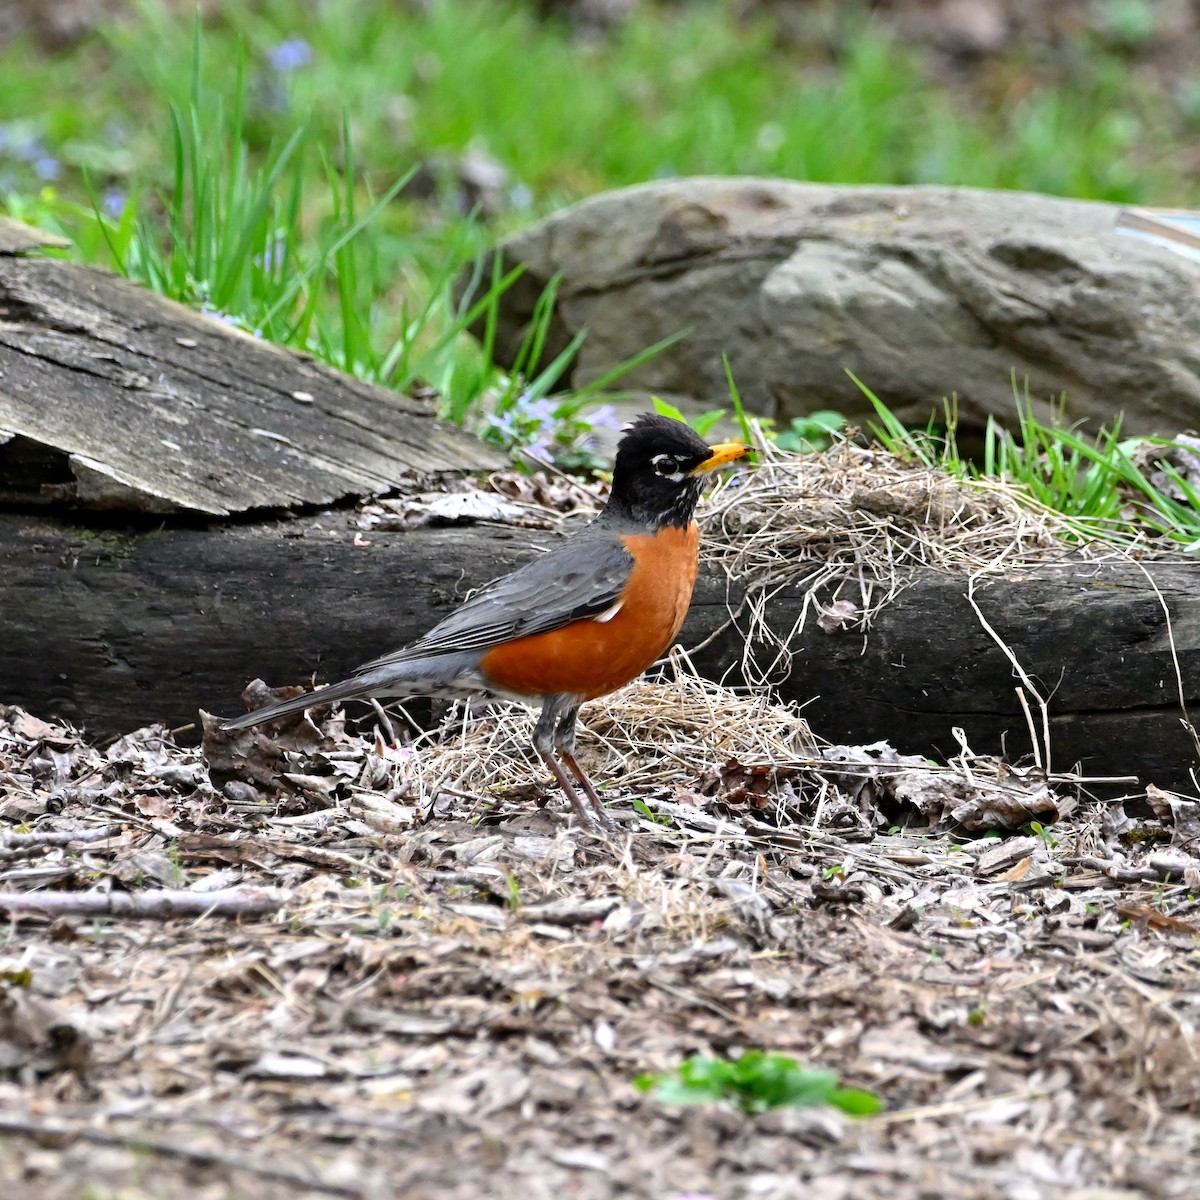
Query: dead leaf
(36, 730)
(34, 1034)
(735, 782)
(1003, 853)
(151, 804)
(1152, 918)
(839, 615)
(1018, 872)
(1177, 813)
(978, 804)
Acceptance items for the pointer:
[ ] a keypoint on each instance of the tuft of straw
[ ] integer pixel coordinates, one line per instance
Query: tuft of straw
(662, 732)
(859, 522)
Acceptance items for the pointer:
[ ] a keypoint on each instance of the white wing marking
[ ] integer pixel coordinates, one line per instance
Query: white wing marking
(608, 613)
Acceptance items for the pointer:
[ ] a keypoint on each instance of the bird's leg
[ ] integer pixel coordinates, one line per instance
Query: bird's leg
(593, 796)
(581, 811)
(543, 743)
(564, 743)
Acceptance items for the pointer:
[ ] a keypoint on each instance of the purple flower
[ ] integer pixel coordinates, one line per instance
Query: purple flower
(502, 422)
(113, 201)
(605, 417)
(291, 55)
(539, 412)
(19, 142)
(274, 253)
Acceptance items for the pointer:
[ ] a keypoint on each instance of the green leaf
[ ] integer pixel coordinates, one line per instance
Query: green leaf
(856, 1103)
(755, 1082)
(738, 408)
(704, 422)
(678, 1092)
(665, 408)
(643, 809)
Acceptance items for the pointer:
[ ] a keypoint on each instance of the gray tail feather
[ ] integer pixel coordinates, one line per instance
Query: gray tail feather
(418, 677)
(345, 690)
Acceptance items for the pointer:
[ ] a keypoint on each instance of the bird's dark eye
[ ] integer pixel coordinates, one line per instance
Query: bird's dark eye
(665, 464)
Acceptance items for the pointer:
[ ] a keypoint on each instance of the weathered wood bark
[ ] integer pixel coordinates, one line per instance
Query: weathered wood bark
(113, 398)
(114, 630)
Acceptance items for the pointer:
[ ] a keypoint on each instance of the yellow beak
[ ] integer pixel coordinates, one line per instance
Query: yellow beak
(718, 456)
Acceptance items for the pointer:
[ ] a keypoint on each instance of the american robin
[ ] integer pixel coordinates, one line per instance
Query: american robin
(574, 624)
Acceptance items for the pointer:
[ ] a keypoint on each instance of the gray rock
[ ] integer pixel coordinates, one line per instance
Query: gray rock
(920, 291)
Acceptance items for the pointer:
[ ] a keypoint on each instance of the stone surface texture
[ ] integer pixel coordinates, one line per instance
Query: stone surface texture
(921, 292)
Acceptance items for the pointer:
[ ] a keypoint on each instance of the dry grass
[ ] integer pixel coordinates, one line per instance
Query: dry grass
(846, 530)
(862, 513)
(655, 735)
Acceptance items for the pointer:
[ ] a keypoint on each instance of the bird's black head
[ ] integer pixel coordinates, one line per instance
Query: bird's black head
(659, 471)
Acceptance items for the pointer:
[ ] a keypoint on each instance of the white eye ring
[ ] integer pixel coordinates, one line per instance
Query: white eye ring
(667, 466)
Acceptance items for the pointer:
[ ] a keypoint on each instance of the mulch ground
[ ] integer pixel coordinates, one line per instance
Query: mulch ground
(424, 987)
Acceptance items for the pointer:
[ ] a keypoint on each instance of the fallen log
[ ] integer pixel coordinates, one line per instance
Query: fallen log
(113, 398)
(117, 629)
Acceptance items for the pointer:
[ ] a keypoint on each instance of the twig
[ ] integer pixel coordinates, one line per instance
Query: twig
(950, 1108)
(1159, 1001)
(384, 720)
(1185, 719)
(1024, 703)
(1023, 675)
(59, 1132)
(57, 837)
(868, 770)
(1168, 870)
(157, 905)
(237, 850)
(698, 999)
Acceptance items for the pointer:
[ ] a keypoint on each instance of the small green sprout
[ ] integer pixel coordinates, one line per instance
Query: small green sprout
(812, 432)
(754, 1083)
(643, 809)
(1037, 829)
(702, 423)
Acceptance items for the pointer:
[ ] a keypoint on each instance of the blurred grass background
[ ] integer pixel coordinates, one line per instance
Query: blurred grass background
(672, 89)
(318, 171)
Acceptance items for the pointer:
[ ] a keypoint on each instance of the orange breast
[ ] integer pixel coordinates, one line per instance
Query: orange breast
(591, 658)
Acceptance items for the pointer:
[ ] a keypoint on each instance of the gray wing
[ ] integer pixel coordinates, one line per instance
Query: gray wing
(576, 580)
